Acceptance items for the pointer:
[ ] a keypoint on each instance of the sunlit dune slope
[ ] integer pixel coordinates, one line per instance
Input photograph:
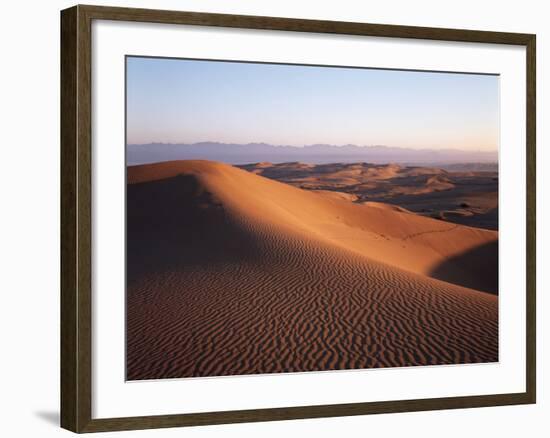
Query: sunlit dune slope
(415, 243)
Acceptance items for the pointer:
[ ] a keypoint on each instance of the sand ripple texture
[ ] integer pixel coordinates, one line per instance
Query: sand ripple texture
(227, 275)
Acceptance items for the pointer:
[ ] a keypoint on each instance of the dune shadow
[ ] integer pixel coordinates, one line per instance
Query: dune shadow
(176, 223)
(481, 264)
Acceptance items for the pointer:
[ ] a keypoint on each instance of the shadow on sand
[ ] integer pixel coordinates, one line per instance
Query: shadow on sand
(481, 262)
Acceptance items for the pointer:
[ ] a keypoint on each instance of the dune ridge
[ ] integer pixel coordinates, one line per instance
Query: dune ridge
(232, 273)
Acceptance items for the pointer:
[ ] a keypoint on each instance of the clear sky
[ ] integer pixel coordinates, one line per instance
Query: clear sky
(187, 101)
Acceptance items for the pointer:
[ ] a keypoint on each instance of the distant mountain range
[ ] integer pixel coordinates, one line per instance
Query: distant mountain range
(315, 154)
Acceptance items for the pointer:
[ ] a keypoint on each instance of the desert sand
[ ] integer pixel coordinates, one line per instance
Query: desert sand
(466, 197)
(230, 273)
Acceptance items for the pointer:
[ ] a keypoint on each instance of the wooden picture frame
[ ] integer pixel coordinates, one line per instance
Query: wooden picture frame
(76, 173)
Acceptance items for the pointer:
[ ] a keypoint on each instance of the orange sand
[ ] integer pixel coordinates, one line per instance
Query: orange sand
(233, 273)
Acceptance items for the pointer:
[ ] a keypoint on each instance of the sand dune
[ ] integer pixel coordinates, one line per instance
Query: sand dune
(466, 198)
(439, 182)
(233, 273)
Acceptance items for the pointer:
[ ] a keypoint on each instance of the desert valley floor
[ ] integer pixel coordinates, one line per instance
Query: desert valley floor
(292, 267)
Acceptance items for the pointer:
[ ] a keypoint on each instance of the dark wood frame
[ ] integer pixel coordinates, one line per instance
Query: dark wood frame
(76, 308)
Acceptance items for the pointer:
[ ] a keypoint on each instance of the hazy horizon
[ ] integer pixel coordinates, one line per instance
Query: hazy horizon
(174, 101)
(175, 143)
(313, 154)
(302, 146)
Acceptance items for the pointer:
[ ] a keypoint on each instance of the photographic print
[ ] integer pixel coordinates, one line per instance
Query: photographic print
(298, 218)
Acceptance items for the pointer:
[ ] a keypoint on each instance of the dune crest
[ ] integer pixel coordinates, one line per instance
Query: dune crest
(414, 243)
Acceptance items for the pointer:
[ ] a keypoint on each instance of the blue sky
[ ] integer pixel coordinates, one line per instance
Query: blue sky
(188, 101)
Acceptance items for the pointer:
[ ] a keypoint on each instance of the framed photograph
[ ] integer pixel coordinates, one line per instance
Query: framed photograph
(270, 218)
